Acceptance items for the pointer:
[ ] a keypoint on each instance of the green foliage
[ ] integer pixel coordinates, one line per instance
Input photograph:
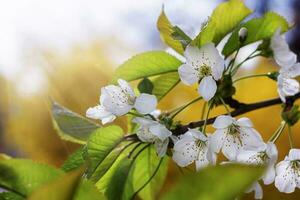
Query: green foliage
(71, 126)
(223, 182)
(99, 145)
(119, 187)
(225, 89)
(145, 86)
(24, 176)
(149, 173)
(68, 186)
(10, 196)
(181, 36)
(74, 161)
(147, 64)
(168, 33)
(292, 115)
(164, 83)
(258, 29)
(222, 21)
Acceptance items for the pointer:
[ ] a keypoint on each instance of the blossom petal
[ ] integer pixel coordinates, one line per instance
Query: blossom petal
(202, 160)
(185, 151)
(258, 191)
(217, 140)
(250, 137)
(223, 121)
(196, 134)
(115, 100)
(284, 180)
(188, 75)
(293, 71)
(145, 103)
(290, 86)
(124, 85)
(248, 157)
(294, 154)
(99, 112)
(160, 131)
(244, 122)
(142, 121)
(193, 56)
(161, 147)
(207, 88)
(282, 53)
(269, 175)
(272, 152)
(231, 147)
(214, 59)
(145, 135)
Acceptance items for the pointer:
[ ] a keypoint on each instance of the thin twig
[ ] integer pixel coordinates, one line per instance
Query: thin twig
(244, 108)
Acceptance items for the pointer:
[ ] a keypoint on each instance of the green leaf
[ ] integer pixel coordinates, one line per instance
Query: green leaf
(222, 21)
(223, 182)
(109, 166)
(163, 84)
(119, 181)
(10, 196)
(147, 64)
(66, 187)
(71, 126)
(24, 176)
(145, 86)
(74, 161)
(167, 33)
(100, 144)
(181, 36)
(149, 174)
(258, 29)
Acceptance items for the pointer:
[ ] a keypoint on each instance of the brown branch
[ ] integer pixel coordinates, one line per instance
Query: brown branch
(242, 109)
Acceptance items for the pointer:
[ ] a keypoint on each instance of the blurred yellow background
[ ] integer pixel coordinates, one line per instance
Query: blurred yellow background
(74, 80)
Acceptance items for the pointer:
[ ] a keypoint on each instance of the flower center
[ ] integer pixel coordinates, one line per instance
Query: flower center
(204, 70)
(233, 129)
(200, 144)
(295, 166)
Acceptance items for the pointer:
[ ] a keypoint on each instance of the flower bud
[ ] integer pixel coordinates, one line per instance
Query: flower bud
(243, 32)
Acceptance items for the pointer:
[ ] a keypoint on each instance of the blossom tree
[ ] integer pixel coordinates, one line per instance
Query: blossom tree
(113, 165)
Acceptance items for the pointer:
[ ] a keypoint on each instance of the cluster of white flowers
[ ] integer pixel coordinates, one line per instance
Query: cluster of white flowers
(204, 65)
(235, 138)
(118, 101)
(289, 68)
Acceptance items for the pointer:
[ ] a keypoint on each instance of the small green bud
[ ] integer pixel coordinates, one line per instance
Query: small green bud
(273, 75)
(291, 116)
(243, 32)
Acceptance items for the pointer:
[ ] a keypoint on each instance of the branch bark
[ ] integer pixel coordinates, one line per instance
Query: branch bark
(240, 109)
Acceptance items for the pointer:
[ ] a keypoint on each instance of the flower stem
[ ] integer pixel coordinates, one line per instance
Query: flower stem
(278, 132)
(135, 114)
(250, 76)
(207, 115)
(203, 110)
(226, 107)
(233, 70)
(180, 109)
(290, 137)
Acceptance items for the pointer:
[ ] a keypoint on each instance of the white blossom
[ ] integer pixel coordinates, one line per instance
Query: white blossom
(153, 132)
(118, 101)
(289, 68)
(204, 65)
(265, 155)
(191, 147)
(231, 135)
(288, 172)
